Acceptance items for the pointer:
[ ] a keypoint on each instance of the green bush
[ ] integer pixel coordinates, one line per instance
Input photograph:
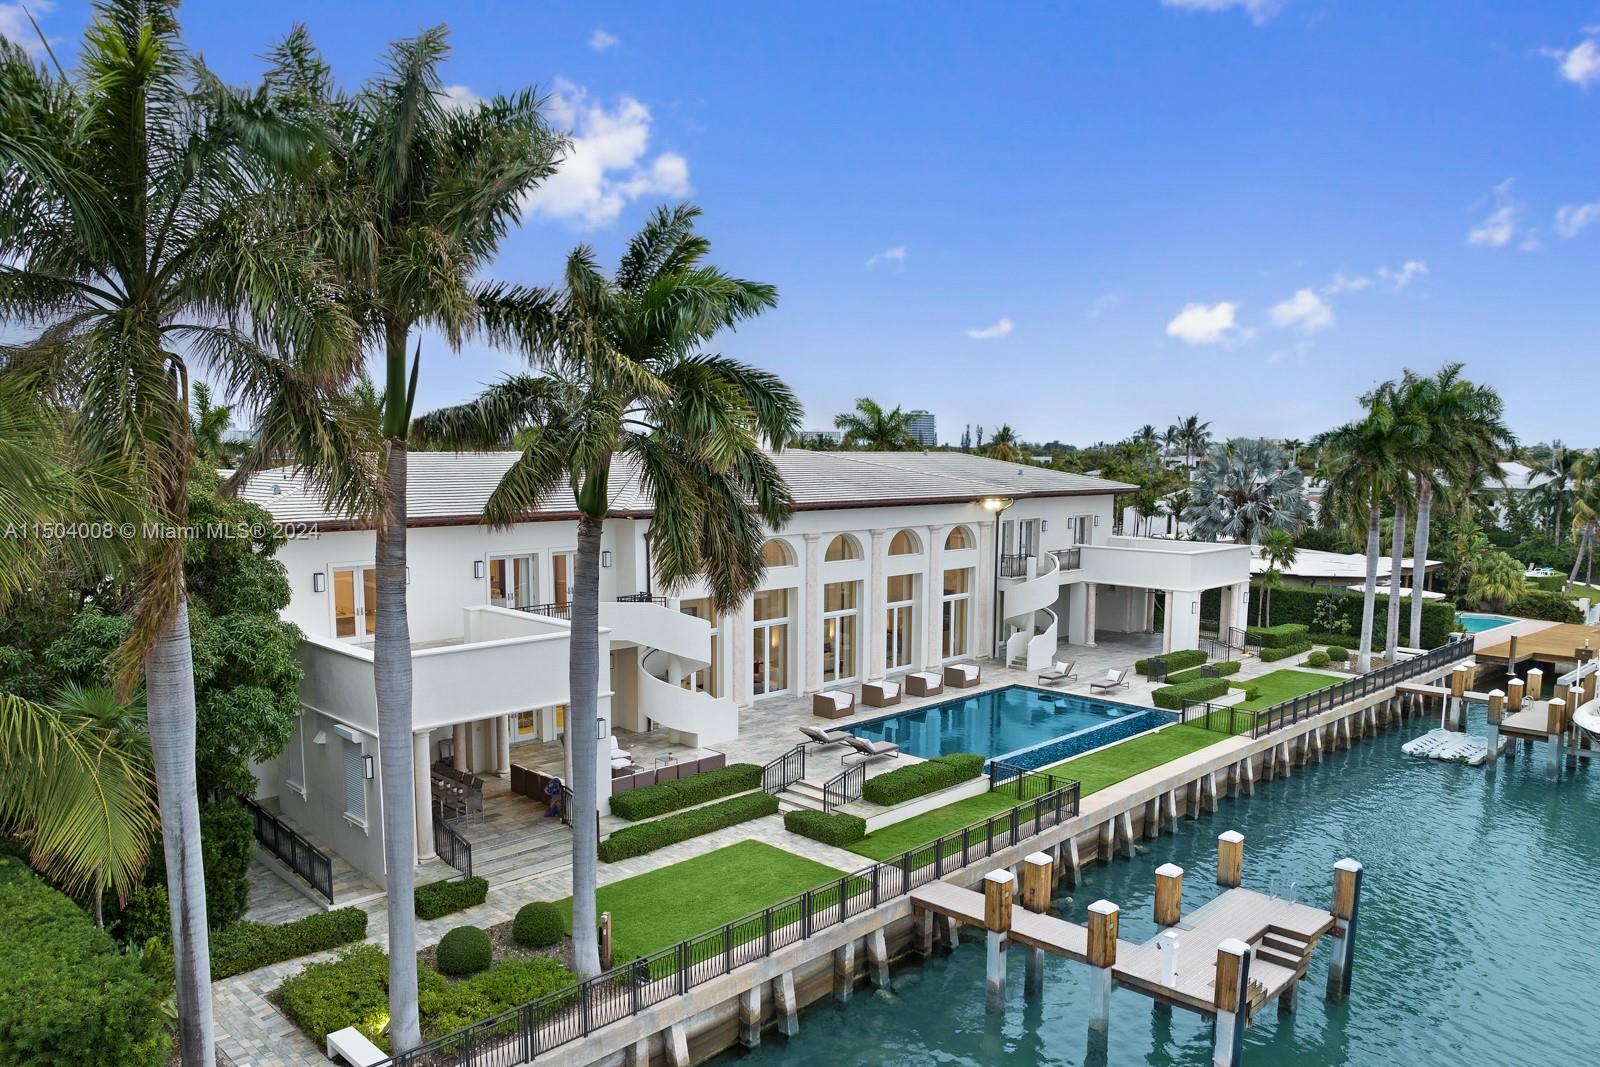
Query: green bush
(644, 837)
(1270, 655)
(1338, 653)
(464, 950)
(1342, 613)
(1279, 636)
(655, 800)
(454, 1006)
(245, 946)
(1550, 583)
(437, 899)
(1172, 697)
(834, 828)
(919, 779)
(1221, 669)
(1317, 658)
(538, 924)
(1176, 661)
(69, 996)
(352, 990)
(1543, 604)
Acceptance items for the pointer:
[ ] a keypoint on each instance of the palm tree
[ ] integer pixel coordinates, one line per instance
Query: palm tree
(1004, 445)
(1148, 442)
(1418, 460)
(208, 423)
(139, 243)
(626, 379)
(1279, 551)
(409, 207)
(877, 429)
(1586, 513)
(1191, 435)
(1243, 489)
(1497, 580)
(1554, 497)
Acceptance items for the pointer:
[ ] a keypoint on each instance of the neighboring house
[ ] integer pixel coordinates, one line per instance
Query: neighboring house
(892, 562)
(1516, 481)
(1337, 570)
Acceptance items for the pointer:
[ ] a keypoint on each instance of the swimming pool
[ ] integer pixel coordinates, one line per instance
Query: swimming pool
(1028, 725)
(1477, 623)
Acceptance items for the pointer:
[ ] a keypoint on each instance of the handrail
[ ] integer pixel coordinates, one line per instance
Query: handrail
(844, 787)
(549, 611)
(570, 1014)
(641, 598)
(448, 842)
(1014, 565)
(301, 856)
(784, 771)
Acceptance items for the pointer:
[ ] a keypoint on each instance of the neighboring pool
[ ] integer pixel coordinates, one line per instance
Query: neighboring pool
(1033, 726)
(1476, 623)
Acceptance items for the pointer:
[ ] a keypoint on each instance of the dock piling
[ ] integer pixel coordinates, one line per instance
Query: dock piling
(1497, 712)
(1230, 859)
(878, 959)
(1555, 732)
(1036, 880)
(1074, 865)
(750, 1017)
(1102, 954)
(1125, 825)
(844, 972)
(787, 1008)
(1514, 692)
(924, 923)
(1167, 945)
(676, 1040)
(997, 891)
(1169, 894)
(1232, 1002)
(1346, 907)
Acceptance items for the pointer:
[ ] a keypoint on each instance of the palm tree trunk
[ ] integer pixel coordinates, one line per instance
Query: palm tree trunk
(169, 691)
(583, 737)
(1397, 554)
(1370, 598)
(1419, 559)
(1577, 561)
(391, 672)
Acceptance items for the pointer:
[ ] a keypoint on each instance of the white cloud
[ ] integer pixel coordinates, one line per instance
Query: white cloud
(1205, 324)
(1304, 311)
(605, 168)
(1579, 65)
(15, 27)
(1000, 329)
(1258, 10)
(1409, 271)
(1572, 219)
(460, 98)
(1344, 283)
(895, 254)
(600, 40)
(1103, 304)
(1502, 223)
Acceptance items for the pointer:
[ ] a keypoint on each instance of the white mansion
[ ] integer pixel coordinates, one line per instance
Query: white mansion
(892, 562)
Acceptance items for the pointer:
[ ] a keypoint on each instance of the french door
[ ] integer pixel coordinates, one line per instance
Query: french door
(898, 633)
(355, 602)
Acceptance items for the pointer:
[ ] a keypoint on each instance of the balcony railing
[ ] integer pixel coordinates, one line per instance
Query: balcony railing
(551, 611)
(1014, 566)
(1069, 559)
(641, 598)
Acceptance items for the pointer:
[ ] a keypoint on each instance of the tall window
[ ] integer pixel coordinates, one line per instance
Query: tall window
(898, 633)
(841, 548)
(513, 582)
(769, 644)
(355, 783)
(957, 539)
(776, 553)
(904, 543)
(355, 602)
(561, 577)
(704, 680)
(841, 616)
(957, 611)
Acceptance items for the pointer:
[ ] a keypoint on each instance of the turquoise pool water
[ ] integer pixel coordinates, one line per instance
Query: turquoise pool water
(1477, 942)
(1476, 624)
(996, 722)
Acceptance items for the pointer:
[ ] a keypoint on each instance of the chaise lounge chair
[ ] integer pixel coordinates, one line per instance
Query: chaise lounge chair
(820, 737)
(1113, 680)
(871, 749)
(962, 675)
(833, 704)
(1058, 672)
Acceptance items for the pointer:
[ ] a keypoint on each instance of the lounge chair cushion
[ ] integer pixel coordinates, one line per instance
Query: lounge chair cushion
(890, 689)
(969, 671)
(840, 699)
(928, 677)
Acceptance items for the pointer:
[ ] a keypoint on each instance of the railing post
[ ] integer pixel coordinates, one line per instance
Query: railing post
(683, 970)
(905, 871)
(875, 884)
(1013, 826)
(805, 914)
(965, 834)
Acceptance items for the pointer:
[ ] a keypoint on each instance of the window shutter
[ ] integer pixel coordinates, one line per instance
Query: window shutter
(355, 783)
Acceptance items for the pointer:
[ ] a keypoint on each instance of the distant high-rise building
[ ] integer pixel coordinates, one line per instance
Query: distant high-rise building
(923, 430)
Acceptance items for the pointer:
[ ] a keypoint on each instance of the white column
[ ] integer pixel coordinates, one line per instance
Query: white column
(1166, 622)
(933, 600)
(1225, 612)
(877, 606)
(1183, 620)
(1089, 605)
(460, 740)
(737, 637)
(421, 774)
(811, 610)
(985, 595)
(502, 741)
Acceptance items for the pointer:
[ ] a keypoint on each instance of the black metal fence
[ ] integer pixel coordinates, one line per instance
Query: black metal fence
(784, 771)
(570, 1014)
(301, 856)
(451, 847)
(549, 611)
(1025, 784)
(844, 786)
(1014, 566)
(641, 598)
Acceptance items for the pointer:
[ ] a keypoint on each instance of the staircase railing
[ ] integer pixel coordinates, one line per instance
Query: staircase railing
(844, 787)
(301, 856)
(448, 843)
(784, 771)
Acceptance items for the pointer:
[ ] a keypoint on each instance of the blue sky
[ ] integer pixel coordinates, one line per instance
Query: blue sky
(1072, 218)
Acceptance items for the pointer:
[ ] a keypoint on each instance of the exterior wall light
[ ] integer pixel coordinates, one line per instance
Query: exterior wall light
(477, 568)
(996, 503)
(605, 557)
(366, 765)
(319, 582)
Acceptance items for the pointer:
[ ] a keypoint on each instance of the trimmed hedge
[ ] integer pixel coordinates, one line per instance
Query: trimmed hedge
(437, 899)
(1317, 658)
(245, 946)
(1269, 655)
(538, 925)
(1223, 668)
(464, 950)
(1543, 604)
(1176, 661)
(831, 829)
(655, 800)
(1279, 636)
(1300, 604)
(69, 996)
(1338, 653)
(644, 837)
(1172, 697)
(919, 779)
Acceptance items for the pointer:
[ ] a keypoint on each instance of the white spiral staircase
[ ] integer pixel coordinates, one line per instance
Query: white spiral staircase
(1028, 615)
(672, 646)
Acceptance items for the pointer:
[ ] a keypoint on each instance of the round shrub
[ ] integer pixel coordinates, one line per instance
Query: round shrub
(1338, 654)
(1317, 659)
(538, 924)
(464, 950)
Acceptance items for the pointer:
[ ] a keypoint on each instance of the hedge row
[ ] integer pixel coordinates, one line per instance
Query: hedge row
(1341, 614)
(1221, 668)
(69, 996)
(1543, 604)
(1279, 636)
(836, 828)
(245, 946)
(919, 779)
(644, 837)
(1172, 697)
(1176, 661)
(441, 898)
(655, 800)
(1269, 655)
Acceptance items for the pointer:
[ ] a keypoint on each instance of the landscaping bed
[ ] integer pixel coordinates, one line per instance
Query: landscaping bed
(653, 800)
(640, 838)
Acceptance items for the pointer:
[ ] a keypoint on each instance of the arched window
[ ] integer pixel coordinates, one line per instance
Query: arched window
(777, 553)
(842, 547)
(904, 543)
(958, 539)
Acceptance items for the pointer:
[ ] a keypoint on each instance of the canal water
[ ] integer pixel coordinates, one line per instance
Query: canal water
(1479, 937)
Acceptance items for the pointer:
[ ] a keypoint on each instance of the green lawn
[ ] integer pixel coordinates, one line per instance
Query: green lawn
(1280, 686)
(1096, 770)
(651, 911)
